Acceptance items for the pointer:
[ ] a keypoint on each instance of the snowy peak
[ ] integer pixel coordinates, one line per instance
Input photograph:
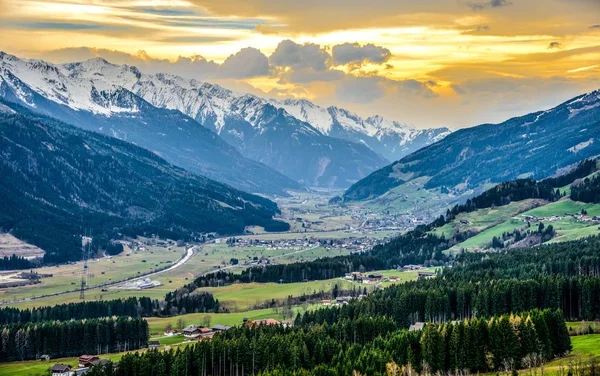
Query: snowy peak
(77, 86)
(97, 85)
(391, 139)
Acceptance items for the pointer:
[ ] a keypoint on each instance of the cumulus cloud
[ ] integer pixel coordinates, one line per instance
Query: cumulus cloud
(354, 53)
(246, 63)
(554, 45)
(289, 54)
(477, 6)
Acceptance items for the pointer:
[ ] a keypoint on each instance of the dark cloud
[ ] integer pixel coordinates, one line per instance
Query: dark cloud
(477, 6)
(595, 27)
(289, 54)
(248, 62)
(554, 44)
(482, 28)
(354, 53)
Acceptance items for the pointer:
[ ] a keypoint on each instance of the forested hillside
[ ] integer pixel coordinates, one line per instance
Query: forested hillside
(536, 145)
(485, 314)
(423, 245)
(57, 179)
(367, 345)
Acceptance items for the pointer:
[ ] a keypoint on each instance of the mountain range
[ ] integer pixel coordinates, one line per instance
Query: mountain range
(58, 179)
(332, 150)
(388, 138)
(535, 145)
(115, 111)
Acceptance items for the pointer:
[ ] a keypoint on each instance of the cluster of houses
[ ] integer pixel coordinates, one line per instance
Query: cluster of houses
(341, 300)
(84, 364)
(370, 278)
(376, 278)
(352, 244)
(554, 218)
(198, 332)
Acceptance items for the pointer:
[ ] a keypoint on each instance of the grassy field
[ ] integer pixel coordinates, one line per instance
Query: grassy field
(564, 206)
(68, 277)
(482, 219)
(36, 367)
(566, 228)
(584, 347)
(158, 324)
(210, 257)
(243, 296)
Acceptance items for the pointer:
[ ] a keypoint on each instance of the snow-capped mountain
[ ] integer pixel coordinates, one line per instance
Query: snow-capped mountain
(388, 138)
(101, 105)
(258, 129)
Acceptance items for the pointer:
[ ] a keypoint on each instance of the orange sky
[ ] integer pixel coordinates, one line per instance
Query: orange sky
(428, 63)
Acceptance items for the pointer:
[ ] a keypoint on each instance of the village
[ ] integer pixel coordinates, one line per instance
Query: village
(351, 244)
(579, 217)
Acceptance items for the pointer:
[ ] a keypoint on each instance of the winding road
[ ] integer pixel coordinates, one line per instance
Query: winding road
(189, 253)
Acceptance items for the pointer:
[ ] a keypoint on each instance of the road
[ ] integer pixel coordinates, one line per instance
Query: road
(183, 260)
(189, 253)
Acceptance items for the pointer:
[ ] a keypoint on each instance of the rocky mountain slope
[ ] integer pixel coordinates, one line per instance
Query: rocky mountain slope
(535, 145)
(94, 103)
(102, 92)
(388, 138)
(58, 179)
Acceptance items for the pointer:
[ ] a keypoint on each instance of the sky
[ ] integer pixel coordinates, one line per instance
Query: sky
(426, 63)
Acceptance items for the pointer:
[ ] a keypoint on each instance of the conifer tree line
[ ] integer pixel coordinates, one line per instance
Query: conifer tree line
(365, 344)
(15, 262)
(583, 169)
(587, 191)
(128, 307)
(24, 341)
(563, 276)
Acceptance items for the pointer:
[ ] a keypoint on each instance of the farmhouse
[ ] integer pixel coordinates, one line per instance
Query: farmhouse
(416, 326)
(88, 360)
(153, 344)
(220, 328)
(424, 275)
(263, 322)
(191, 331)
(61, 370)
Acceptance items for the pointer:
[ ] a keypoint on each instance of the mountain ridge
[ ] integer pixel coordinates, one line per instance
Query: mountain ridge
(388, 138)
(117, 112)
(57, 179)
(246, 122)
(533, 145)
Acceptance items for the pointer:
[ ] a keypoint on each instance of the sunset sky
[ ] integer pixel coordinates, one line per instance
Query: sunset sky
(427, 63)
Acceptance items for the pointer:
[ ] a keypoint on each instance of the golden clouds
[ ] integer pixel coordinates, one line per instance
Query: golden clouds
(467, 58)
